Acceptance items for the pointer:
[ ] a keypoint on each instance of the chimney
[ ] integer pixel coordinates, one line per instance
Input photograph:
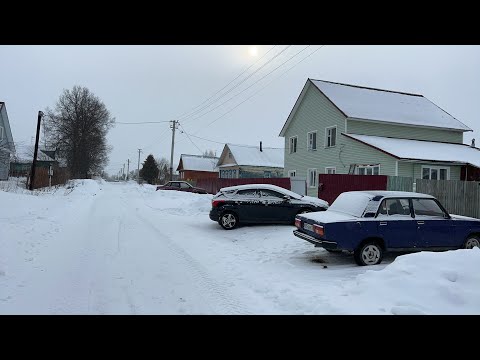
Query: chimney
(261, 146)
(473, 143)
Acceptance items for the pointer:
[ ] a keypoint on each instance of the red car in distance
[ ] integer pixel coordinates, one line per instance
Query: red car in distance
(181, 186)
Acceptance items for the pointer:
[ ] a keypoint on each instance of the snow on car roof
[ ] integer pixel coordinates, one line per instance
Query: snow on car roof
(387, 106)
(382, 193)
(423, 150)
(262, 186)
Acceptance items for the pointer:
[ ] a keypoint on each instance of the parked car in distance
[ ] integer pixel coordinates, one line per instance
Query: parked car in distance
(181, 186)
(260, 203)
(370, 223)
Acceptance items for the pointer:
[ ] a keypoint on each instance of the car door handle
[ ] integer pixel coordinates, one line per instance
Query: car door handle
(420, 222)
(383, 223)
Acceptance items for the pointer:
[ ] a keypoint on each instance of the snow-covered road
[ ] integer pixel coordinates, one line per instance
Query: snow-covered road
(116, 248)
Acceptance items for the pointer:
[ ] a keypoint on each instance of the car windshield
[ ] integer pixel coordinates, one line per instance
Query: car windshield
(351, 203)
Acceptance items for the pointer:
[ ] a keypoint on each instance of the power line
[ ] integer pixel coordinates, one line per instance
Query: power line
(188, 136)
(141, 122)
(230, 90)
(223, 143)
(243, 72)
(263, 86)
(263, 77)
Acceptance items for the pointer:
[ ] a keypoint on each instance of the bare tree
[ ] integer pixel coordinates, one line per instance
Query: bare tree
(209, 153)
(164, 173)
(77, 128)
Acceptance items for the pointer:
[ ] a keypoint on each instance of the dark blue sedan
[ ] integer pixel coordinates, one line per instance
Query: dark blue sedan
(369, 223)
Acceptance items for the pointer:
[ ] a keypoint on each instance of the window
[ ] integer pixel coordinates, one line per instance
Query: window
(267, 174)
(435, 173)
(427, 207)
(249, 193)
(230, 156)
(293, 144)
(368, 169)
(270, 193)
(1, 132)
(331, 136)
(395, 207)
(175, 184)
(292, 173)
(312, 140)
(330, 170)
(184, 185)
(312, 178)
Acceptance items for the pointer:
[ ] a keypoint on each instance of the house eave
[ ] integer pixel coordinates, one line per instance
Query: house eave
(408, 125)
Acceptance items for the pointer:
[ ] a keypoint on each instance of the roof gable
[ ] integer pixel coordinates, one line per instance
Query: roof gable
(244, 155)
(387, 106)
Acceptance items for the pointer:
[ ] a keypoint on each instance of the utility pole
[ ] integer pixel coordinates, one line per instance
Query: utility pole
(138, 166)
(173, 126)
(123, 172)
(128, 167)
(34, 163)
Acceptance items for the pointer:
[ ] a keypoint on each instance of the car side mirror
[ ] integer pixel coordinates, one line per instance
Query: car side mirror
(286, 198)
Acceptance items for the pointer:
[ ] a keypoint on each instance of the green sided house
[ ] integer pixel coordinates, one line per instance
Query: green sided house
(7, 147)
(338, 128)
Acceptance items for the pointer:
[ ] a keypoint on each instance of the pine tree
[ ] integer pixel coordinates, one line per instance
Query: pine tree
(149, 170)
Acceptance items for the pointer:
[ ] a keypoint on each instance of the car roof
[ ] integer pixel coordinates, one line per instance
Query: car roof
(253, 186)
(374, 193)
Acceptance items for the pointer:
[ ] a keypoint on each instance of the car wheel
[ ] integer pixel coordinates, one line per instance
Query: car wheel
(228, 220)
(369, 253)
(472, 242)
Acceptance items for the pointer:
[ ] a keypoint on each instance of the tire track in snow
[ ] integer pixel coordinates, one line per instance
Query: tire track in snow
(211, 289)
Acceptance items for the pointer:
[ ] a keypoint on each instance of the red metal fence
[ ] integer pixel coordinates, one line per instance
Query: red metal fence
(332, 185)
(214, 185)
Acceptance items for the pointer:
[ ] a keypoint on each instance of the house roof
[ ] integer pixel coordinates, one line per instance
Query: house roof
(198, 163)
(24, 154)
(422, 150)
(252, 156)
(387, 106)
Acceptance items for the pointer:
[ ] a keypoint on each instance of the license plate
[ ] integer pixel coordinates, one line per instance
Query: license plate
(308, 227)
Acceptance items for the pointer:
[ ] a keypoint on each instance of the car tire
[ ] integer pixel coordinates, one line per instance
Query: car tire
(471, 242)
(369, 253)
(228, 220)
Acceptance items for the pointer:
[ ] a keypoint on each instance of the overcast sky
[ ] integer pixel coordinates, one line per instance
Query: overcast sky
(162, 83)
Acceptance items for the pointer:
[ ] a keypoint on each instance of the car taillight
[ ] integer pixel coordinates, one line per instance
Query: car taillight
(318, 229)
(216, 203)
(298, 223)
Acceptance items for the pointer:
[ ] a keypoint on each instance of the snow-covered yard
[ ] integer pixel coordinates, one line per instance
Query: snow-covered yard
(116, 248)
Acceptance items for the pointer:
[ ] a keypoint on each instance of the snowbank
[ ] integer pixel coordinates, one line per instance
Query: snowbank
(84, 186)
(180, 203)
(421, 283)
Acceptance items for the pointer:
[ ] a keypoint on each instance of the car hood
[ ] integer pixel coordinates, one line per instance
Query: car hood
(315, 201)
(460, 217)
(329, 216)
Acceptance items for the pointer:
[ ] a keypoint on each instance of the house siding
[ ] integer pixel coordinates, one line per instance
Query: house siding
(315, 113)
(252, 171)
(403, 132)
(4, 149)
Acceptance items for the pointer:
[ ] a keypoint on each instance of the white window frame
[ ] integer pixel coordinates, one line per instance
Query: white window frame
(294, 172)
(326, 136)
(1, 133)
(357, 170)
(290, 144)
(331, 168)
(430, 167)
(308, 141)
(314, 185)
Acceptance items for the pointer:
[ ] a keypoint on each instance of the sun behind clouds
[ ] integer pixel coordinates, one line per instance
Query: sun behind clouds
(253, 51)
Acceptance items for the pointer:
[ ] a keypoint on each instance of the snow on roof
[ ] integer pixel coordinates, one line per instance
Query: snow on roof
(423, 150)
(25, 154)
(199, 163)
(252, 156)
(387, 106)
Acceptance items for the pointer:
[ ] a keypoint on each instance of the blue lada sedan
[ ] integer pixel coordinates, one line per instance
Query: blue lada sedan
(370, 223)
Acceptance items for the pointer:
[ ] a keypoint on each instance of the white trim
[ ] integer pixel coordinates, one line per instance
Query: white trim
(308, 178)
(330, 168)
(396, 168)
(346, 132)
(367, 167)
(290, 173)
(436, 168)
(325, 144)
(290, 144)
(1, 133)
(308, 140)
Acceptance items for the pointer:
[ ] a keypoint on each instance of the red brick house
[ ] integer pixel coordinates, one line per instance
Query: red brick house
(194, 167)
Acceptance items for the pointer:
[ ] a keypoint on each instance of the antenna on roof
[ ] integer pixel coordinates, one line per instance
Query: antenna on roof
(473, 143)
(261, 146)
